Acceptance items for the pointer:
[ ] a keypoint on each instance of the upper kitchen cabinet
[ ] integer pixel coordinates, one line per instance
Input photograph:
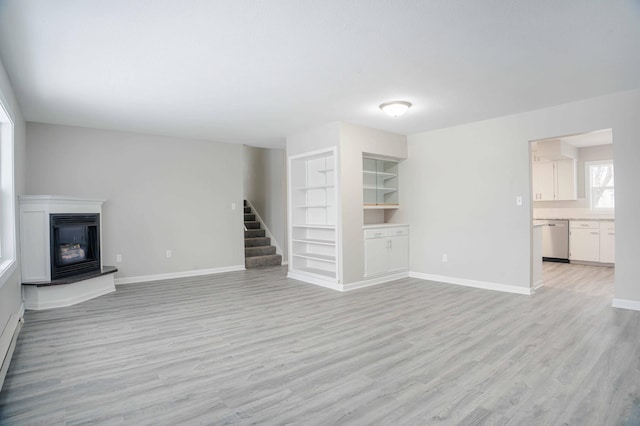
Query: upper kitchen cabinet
(379, 183)
(554, 171)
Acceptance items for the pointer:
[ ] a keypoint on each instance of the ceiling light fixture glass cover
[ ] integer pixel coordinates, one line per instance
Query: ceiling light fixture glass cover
(395, 108)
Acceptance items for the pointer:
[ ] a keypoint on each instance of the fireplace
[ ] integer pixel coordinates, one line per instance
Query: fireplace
(75, 244)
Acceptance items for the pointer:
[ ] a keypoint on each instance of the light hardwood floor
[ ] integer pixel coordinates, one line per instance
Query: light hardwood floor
(254, 347)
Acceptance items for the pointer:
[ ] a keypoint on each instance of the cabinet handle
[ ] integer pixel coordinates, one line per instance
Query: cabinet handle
(595, 233)
(612, 233)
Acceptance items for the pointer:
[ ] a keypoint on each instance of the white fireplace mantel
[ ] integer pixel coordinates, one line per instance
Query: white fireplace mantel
(34, 230)
(35, 249)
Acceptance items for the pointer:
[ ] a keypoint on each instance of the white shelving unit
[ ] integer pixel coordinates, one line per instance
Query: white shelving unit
(313, 211)
(379, 183)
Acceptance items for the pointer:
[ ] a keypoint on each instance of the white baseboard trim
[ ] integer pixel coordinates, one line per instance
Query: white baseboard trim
(472, 283)
(316, 281)
(537, 285)
(172, 275)
(633, 305)
(59, 296)
(375, 281)
(346, 287)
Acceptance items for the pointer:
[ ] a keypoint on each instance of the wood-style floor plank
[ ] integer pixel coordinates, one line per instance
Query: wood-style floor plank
(255, 347)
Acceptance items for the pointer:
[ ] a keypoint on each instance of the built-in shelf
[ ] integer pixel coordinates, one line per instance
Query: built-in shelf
(382, 189)
(379, 181)
(314, 241)
(316, 271)
(315, 256)
(315, 226)
(313, 197)
(380, 207)
(307, 188)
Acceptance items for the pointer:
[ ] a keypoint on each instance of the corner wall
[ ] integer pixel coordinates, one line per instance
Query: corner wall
(465, 180)
(162, 194)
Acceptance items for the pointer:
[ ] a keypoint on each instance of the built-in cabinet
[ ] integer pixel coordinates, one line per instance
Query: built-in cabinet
(592, 241)
(313, 197)
(386, 249)
(554, 180)
(379, 182)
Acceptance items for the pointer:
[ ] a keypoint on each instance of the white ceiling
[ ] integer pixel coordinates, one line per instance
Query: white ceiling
(253, 71)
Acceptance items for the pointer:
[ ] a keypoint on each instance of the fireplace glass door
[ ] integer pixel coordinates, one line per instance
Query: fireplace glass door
(75, 244)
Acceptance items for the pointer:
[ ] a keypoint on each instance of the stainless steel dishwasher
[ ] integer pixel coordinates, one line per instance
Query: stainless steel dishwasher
(555, 241)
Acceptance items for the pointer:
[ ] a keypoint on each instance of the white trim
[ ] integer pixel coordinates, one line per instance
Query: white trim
(61, 295)
(346, 287)
(536, 286)
(633, 305)
(507, 288)
(293, 274)
(7, 269)
(375, 281)
(268, 233)
(172, 275)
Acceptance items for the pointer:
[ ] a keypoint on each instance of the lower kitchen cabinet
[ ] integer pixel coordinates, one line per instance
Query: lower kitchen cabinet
(607, 242)
(386, 250)
(592, 241)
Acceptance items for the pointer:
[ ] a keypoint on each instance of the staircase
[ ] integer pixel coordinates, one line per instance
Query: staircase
(258, 251)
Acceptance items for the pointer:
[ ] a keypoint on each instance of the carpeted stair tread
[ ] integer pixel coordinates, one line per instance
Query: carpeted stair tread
(247, 210)
(257, 242)
(252, 225)
(259, 251)
(263, 261)
(254, 233)
(249, 217)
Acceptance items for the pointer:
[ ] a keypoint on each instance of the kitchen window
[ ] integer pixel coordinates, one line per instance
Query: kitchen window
(7, 203)
(599, 185)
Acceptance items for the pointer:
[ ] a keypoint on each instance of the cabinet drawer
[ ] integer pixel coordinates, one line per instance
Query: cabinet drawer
(584, 224)
(392, 231)
(376, 233)
(607, 226)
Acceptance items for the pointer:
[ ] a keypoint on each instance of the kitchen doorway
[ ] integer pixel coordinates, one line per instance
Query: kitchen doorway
(573, 207)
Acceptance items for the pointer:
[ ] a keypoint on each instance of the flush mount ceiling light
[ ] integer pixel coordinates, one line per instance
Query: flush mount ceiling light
(395, 108)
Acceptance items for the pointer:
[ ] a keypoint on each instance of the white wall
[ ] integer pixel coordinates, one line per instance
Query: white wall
(265, 186)
(162, 194)
(465, 180)
(10, 291)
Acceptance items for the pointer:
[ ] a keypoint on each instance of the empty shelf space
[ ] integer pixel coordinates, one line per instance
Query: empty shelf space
(315, 256)
(318, 226)
(377, 188)
(380, 206)
(314, 241)
(315, 271)
(308, 188)
(384, 175)
(316, 206)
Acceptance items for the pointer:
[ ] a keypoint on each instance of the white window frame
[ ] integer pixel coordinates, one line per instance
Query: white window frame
(8, 245)
(588, 186)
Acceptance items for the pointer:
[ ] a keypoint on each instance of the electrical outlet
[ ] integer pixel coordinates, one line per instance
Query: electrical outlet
(233, 206)
(519, 200)
(445, 258)
(169, 254)
(118, 258)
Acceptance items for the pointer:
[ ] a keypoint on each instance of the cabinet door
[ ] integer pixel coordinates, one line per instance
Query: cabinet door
(566, 180)
(543, 181)
(398, 253)
(584, 244)
(607, 244)
(376, 255)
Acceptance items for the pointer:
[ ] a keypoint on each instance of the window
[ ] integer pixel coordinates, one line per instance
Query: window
(7, 202)
(599, 185)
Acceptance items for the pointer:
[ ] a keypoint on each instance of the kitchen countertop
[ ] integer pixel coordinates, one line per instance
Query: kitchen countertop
(383, 225)
(599, 218)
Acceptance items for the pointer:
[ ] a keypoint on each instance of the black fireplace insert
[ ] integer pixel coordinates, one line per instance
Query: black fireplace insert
(75, 244)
